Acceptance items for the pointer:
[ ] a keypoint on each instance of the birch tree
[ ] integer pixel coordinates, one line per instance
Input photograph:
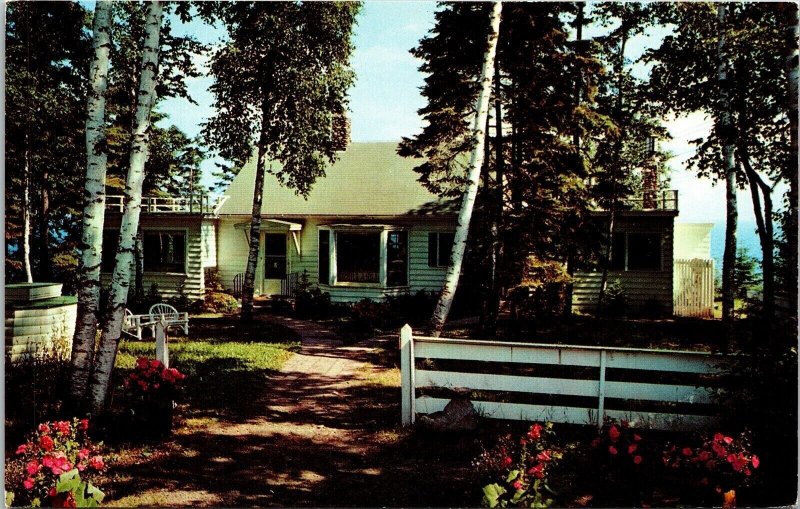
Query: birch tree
(279, 82)
(94, 208)
(725, 126)
(476, 162)
(120, 282)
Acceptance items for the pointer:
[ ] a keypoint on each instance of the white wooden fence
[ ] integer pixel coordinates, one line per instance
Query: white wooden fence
(693, 287)
(661, 389)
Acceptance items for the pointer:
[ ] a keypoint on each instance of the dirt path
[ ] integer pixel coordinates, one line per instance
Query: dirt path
(323, 432)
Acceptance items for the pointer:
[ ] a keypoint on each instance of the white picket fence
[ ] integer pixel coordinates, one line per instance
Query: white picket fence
(662, 389)
(693, 287)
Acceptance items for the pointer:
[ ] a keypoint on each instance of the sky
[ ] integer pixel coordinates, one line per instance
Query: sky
(386, 96)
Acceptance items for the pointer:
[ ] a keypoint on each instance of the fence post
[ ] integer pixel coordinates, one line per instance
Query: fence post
(162, 353)
(601, 396)
(407, 392)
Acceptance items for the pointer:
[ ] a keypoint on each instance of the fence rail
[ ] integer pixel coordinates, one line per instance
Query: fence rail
(693, 287)
(560, 383)
(198, 204)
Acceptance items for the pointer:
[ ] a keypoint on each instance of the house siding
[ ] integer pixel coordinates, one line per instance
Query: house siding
(208, 238)
(192, 280)
(233, 257)
(640, 286)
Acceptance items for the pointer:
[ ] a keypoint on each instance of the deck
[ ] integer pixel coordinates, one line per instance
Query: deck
(199, 204)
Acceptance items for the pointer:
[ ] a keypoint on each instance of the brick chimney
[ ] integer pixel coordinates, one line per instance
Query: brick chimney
(340, 132)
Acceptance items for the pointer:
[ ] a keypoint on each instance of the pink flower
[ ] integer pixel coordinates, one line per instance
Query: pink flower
(731, 458)
(506, 461)
(28, 483)
(755, 461)
(44, 428)
(33, 467)
(46, 443)
(747, 471)
(62, 427)
(535, 432)
(96, 462)
(613, 433)
(517, 485)
(543, 456)
(47, 461)
(718, 437)
(83, 454)
(21, 449)
(637, 459)
(612, 450)
(727, 440)
(719, 450)
(537, 471)
(83, 424)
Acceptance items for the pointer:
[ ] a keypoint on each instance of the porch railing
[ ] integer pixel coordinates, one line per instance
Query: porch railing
(664, 200)
(289, 284)
(197, 204)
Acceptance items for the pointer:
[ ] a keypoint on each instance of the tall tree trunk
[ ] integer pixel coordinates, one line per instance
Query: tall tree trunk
(476, 162)
(615, 173)
(576, 141)
(497, 208)
(765, 233)
(26, 215)
(120, 283)
(45, 263)
(248, 287)
(93, 210)
(792, 36)
(138, 287)
(728, 139)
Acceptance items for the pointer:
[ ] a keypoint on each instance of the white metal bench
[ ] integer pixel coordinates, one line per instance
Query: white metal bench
(170, 314)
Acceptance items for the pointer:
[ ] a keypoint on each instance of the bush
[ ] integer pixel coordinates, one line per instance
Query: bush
(56, 465)
(310, 301)
(414, 308)
(520, 469)
(150, 391)
(615, 301)
(653, 308)
(367, 316)
(218, 302)
(542, 293)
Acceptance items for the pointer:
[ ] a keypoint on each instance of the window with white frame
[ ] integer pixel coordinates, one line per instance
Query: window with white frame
(440, 248)
(162, 251)
(369, 256)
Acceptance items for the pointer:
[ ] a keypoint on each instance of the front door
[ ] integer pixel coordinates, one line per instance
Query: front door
(274, 262)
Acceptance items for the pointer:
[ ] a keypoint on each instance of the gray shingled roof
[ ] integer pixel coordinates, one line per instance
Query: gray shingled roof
(369, 179)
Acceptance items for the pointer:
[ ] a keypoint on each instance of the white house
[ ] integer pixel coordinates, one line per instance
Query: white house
(367, 230)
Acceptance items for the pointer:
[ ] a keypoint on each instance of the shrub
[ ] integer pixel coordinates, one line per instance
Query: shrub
(56, 464)
(367, 316)
(411, 308)
(150, 391)
(541, 295)
(309, 300)
(615, 300)
(218, 302)
(520, 469)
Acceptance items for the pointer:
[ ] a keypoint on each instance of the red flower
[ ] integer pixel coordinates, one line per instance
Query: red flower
(612, 450)
(523, 442)
(687, 451)
(719, 450)
(731, 458)
(747, 471)
(517, 485)
(21, 449)
(28, 483)
(543, 456)
(596, 442)
(83, 454)
(52, 492)
(636, 437)
(537, 471)
(44, 428)
(47, 461)
(155, 364)
(727, 440)
(704, 456)
(623, 423)
(535, 432)
(33, 467)
(637, 459)
(46, 443)
(142, 363)
(718, 437)
(83, 424)
(632, 448)
(62, 427)
(755, 461)
(613, 433)
(96, 462)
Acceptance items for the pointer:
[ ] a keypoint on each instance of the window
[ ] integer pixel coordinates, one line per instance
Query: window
(636, 251)
(164, 251)
(324, 257)
(440, 247)
(397, 258)
(274, 256)
(358, 257)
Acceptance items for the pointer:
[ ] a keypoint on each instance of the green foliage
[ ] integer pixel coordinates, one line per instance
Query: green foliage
(279, 80)
(747, 279)
(615, 303)
(83, 494)
(310, 301)
(542, 291)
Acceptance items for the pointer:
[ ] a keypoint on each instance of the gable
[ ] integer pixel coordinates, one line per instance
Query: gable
(368, 179)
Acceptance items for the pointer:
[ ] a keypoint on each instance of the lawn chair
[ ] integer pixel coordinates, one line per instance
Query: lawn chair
(132, 322)
(170, 314)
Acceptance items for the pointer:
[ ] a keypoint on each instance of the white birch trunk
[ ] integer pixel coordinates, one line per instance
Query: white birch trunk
(120, 283)
(26, 218)
(476, 162)
(727, 140)
(94, 207)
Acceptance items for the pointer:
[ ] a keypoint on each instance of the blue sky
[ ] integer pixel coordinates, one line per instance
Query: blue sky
(386, 97)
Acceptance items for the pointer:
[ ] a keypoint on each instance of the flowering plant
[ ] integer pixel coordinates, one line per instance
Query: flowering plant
(621, 443)
(150, 378)
(720, 462)
(522, 467)
(49, 466)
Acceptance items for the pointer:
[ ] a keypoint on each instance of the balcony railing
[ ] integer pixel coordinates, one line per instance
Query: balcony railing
(664, 200)
(200, 204)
